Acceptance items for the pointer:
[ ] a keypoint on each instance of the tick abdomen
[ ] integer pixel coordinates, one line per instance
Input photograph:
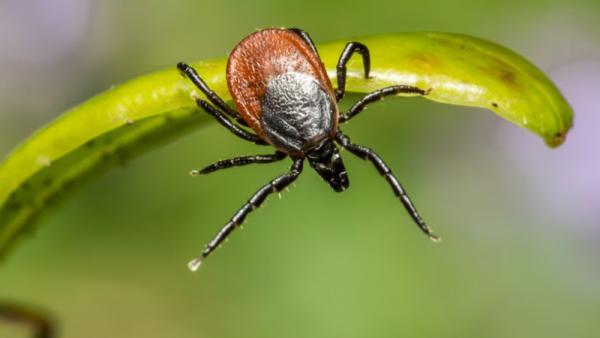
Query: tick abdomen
(297, 112)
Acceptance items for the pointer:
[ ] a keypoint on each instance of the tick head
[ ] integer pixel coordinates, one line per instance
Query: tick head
(326, 160)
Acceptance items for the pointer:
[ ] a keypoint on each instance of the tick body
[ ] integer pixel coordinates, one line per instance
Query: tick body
(283, 94)
(282, 91)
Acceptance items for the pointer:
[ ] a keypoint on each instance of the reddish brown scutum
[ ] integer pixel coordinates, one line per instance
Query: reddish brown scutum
(259, 58)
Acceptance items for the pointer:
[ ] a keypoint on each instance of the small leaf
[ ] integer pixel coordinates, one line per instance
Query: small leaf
(145, 112)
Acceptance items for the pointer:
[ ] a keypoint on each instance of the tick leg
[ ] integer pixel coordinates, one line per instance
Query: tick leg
(304, 35)
(189, 72)
(240, 161)
(276, 185)
(368, 154)
(351, 48)
(225, 122)
(379, 95)
(40, 322)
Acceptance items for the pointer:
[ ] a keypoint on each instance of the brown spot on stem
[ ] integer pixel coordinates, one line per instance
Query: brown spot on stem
(424, 61)
(507, 76)
(501, 72)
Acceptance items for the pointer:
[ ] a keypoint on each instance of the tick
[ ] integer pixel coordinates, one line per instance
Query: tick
(284, 99)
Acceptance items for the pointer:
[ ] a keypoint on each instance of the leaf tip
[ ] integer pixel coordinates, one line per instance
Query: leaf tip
(556, 140)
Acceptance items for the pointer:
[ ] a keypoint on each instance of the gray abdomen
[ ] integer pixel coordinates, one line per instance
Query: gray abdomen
(297, 112)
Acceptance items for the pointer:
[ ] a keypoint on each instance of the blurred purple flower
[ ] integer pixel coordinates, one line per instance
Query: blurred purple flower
(41, 45)
(41, 30)
(564, 184)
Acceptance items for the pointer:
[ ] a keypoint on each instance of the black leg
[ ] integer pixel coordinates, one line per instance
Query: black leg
(305, 37)
(351, 48)
(276, 185)
(39, 321)
(368, 154)
(239, 161)
(225, 122)
(189, 72)
(379, 95)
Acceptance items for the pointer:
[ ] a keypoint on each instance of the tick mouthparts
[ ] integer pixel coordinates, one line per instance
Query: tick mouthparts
(195, 264)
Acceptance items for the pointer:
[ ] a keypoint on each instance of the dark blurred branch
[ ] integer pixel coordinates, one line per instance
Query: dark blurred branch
(43, 326)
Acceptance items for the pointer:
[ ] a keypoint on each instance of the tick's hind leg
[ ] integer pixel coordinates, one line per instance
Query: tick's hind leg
(276, 185)
(351, 48)
(240, 161)
(189, 72)
(368, 154)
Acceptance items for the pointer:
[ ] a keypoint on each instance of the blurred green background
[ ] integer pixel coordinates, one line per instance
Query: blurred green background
(520, 222)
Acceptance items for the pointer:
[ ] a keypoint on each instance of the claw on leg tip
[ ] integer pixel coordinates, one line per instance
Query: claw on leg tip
(434, 238)
(195, 264)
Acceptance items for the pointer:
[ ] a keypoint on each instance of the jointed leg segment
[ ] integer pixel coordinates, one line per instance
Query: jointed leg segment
(225, 122)
(304, 35)
(276, 185)
(351, 48)
(368, 154)
(240, 161)
(189, 72)
(378, 95)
